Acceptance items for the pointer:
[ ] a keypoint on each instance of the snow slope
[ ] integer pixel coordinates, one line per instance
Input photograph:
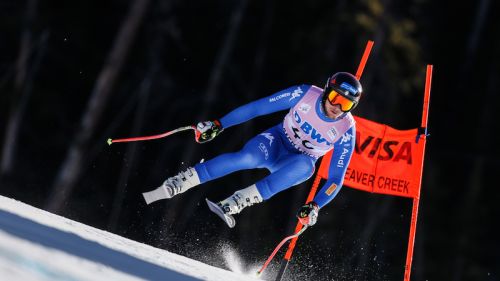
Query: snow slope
(37, 245)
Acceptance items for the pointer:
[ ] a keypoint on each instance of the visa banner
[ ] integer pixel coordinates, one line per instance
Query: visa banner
(385, 160)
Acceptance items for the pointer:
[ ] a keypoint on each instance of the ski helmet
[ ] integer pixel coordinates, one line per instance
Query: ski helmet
(344, 89)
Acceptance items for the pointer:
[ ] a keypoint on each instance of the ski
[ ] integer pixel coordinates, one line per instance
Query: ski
(228, 219)
(160, 193)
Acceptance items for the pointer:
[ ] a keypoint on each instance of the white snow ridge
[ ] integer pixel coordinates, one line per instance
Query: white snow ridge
(37, 245)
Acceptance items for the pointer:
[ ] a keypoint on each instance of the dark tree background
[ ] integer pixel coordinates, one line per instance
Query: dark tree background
(73, 73)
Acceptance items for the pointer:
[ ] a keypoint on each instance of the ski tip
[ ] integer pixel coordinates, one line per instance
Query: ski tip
(110, 141)
(147, 198)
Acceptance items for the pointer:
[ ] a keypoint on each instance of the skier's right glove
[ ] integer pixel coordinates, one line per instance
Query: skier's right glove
(207, 131)
(308, 214)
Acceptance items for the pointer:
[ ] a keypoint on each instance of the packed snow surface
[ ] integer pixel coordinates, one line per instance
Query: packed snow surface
(38, 245)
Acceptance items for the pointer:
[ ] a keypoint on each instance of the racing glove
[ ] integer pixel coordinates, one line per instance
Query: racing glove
(207, 131)
(308, 214)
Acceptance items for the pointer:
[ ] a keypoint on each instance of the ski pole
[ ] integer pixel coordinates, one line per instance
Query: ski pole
(298, 227)
(166, 134)
(278, 247)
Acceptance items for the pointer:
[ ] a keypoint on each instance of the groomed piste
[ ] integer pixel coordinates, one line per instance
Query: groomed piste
(38, 245)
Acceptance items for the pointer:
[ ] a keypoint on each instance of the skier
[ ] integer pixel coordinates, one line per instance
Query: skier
(318, 120)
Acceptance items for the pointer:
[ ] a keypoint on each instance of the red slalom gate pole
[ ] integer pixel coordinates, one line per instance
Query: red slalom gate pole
(310, 197)
(166, 134)
(364, 59)
(416, 200)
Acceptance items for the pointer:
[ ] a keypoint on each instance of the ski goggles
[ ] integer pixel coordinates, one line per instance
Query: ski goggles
(346, 104)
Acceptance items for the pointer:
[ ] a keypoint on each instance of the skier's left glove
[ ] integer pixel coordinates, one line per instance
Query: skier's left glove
(207, 130)
(308, 214)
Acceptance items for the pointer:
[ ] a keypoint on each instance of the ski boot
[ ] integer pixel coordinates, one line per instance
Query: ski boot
(235, 203)
(173, 186)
